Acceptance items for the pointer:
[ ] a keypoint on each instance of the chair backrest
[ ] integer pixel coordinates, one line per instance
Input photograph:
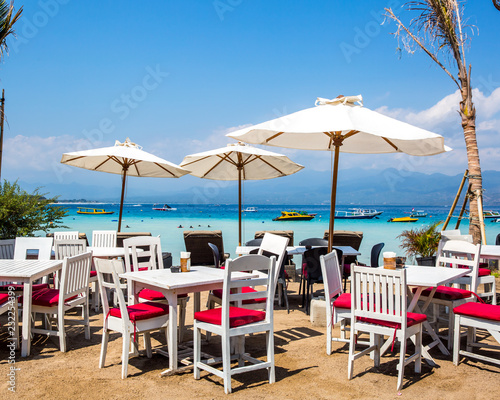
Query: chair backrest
(346, 238)
(375, 255)
(104, 239)
(332, 277)
(312, 262)
(287, 234)
(274, 245)
(254, 242)
(62, 235)
(197, 244)
(497, 241)
(7, 249)
(216, 254)
(114, 268)
(75, 276)
(378, 293)
(314, 242)
(121, 236)
(69, 247)
(264, 285)
(452, 235)
(150, 257)
(25, 244)
(456, 254)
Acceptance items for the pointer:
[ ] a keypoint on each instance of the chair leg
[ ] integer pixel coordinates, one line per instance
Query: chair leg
(86, 321)
(451, 324)
(61, 332)
(125, 350)
(182, 320)
(401, 365)
(104, 348)
(456, 340)
(350, 365)
(196, 351)
(270, 355)
(418, 348)
(329, 328)
(494, 291)
(375, 340)
(147, 344)
(471, 338)
(226, 363)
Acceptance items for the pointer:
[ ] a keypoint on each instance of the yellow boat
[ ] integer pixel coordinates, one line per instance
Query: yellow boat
(93, 211)
(403, 219)
(294, 216)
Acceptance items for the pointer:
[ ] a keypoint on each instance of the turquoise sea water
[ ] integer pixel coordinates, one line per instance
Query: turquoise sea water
(141, 218)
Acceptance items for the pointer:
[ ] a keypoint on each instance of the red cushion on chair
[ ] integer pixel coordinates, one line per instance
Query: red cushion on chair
(484, 272)
(142, 311)
(93, 274)
(148, 294)
(237, 316)
(447, 293)
(19, 287)
(411, 319)
(245, 289)
(479, 310)
(46, 298)
(347, 269)
(4, 297)
(343, 301)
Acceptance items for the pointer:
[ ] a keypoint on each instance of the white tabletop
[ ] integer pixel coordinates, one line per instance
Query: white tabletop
(108, 251)
(26, 269)
(293, 250)
(432, 276)
(490, 251)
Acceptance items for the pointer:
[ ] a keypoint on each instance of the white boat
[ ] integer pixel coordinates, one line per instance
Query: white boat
(164, 207)
(491, 214)
(418, 214)
(367, 211)
(250, 209)
(354, 214)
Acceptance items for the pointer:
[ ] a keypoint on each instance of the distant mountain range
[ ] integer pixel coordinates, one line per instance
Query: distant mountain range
(356, 186)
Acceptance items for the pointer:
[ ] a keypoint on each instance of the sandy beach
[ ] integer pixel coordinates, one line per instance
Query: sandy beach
(303, 370)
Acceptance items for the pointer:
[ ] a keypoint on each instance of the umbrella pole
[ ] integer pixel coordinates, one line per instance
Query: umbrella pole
(239, 206)
(334, 195)
(121, 200)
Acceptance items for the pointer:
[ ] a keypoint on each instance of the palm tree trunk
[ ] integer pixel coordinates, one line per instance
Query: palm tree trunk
(468, 114)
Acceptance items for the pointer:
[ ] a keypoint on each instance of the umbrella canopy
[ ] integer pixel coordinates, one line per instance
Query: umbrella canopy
(124, 159)
(343, 125)
(239, 162)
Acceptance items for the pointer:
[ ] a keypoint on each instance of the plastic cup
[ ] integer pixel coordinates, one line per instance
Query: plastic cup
(185, 261)
(389, 260)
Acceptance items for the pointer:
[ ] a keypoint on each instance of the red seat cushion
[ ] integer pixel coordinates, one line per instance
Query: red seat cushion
(245, 289)
(411, 319)
(343, 301)
(19, 287)
(46, 298)
(142, 311)
(484, 272)
(447, 293)
(93, 274)
(237, 316)
(479, 310)
(4, 297)
(347, 269)
(154, 295)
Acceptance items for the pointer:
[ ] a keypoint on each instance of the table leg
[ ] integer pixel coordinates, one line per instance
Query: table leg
(26, 344)
(172, 332)
(196, 300)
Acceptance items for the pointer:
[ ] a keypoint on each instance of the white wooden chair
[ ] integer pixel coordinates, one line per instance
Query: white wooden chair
(7, 249)
(271, 245)
(73, 292)
(233, 323)
(72, 247)
(10, 307)
(476, 316)
(485, 278)
(151, 258)
(379, 301)
(66, 235)
(133, 320)
(337, 310)
(24, 244)
(104, 238)
(454, 253)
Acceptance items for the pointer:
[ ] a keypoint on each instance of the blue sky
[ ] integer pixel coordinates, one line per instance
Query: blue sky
(175, 76)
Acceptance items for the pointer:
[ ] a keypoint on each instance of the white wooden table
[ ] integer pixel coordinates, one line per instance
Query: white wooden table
(111, 252)
(491, 252)
(199, 279)
(294, 250)
(26, 272)
(423, 278)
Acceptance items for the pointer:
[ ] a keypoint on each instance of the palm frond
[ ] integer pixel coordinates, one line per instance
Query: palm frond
(7, 21)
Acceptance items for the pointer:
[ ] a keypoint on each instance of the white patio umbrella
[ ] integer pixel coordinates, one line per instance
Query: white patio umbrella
(239, 162)
(342, 125)
(126, 159)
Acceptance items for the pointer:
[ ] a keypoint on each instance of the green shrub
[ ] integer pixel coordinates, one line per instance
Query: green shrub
(22, 213)
(421, 242)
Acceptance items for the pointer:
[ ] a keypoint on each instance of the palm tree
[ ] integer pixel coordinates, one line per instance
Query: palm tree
(496, 3)
(7, 21)
(439, 31)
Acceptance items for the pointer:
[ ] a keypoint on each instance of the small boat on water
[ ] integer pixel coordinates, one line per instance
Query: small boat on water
(418, 214)
(357, 213)
(93, 211)
(250, 209)
(491, 214)
(403, 219)
(164, 207)
(294, 216)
